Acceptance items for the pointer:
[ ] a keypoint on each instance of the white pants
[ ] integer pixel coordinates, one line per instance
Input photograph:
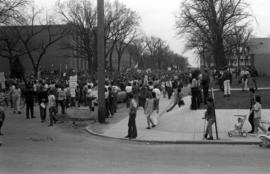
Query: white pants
(227, 87)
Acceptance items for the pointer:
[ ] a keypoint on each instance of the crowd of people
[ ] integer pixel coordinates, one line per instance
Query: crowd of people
(142, 89)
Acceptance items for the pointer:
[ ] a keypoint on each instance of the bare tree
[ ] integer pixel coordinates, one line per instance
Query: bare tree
(81, 16)
(121, 25)
(138, 50)
(29, 36)
(10, 44)
(157, 48)
(213, 19)
(10, 10)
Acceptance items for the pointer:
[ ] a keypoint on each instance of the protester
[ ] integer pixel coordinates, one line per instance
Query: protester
(251, 115)
(52, 108)
(157, 97)
(132, 130)
(227, 83)
(194, 92)
(29, 95)
(89, 96)
(129, 92)
(210, 117)
(257, 108)
(61, 99)
(16, 95)
(43, 100)
(205, 85)
(148, 110)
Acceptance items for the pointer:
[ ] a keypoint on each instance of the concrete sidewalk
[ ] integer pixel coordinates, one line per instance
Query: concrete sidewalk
(184, 125)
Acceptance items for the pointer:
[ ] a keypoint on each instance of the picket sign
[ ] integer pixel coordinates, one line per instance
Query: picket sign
(73, 85)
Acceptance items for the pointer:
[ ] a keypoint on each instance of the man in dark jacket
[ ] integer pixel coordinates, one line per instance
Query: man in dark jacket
(29, 95)
(42, 100)
(205, 85)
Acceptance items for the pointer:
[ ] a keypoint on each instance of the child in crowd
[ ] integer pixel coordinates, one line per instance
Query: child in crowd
(240, 122)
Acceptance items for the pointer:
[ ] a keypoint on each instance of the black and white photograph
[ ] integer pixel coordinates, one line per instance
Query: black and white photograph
(134, 86)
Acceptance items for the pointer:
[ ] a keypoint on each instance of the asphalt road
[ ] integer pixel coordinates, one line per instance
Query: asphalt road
(30, 147)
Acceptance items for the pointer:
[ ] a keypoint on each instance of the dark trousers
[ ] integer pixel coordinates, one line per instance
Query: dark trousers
(114, 105)
(169, 91)
(90, 103)
(251, 121)
(42, 113)
(1, 124)
(205, 93)
(128, 99)
(52, 111)
(62, 104)
(132, 129)
(194, 99)
(30, 108)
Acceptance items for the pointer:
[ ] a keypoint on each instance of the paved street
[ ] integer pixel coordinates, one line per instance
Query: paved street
(31, 147)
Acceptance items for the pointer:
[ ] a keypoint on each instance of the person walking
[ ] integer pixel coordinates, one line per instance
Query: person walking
(227, 83)
(129, 92)
(52, 108)
(29, 95)
(42, 100)
(194, 92)
(61, 99)
(252, 103)
(257, 108)
(148, 110)
(132, 129)
(205, 85)
(157, 97)
(210, 117)
(17, 93)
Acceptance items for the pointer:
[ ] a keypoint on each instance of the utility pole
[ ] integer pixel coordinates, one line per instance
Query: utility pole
(100, 56)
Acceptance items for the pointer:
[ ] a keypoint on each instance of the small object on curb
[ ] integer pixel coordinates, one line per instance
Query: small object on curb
(265, 141)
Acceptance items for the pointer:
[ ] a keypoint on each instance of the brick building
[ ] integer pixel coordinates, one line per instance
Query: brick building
(58, 56)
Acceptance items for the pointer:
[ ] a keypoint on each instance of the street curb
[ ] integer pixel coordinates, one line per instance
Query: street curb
(214, 142)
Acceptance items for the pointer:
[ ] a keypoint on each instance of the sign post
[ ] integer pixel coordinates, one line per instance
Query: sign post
(101, 57)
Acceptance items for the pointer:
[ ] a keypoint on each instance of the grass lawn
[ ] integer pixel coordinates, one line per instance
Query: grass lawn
(240, 100)
(261, 82)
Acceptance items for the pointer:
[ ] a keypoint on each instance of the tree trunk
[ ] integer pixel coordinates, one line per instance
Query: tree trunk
(220, 57)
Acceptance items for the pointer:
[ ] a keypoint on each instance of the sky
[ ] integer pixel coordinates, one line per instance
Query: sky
(158, 19)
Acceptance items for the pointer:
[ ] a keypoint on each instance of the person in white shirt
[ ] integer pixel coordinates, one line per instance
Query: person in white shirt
(158, 96)
(89, 98)
(257, 108)
(52, 108)
(17, 99)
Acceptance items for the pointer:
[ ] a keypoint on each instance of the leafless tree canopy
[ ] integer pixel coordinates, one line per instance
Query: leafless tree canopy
(10, 10)
(209, 24)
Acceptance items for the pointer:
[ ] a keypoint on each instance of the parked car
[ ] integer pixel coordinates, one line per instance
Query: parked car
(121, 97)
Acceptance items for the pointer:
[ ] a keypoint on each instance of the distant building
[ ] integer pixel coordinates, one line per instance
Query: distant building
(259, 53)
(58, 57)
